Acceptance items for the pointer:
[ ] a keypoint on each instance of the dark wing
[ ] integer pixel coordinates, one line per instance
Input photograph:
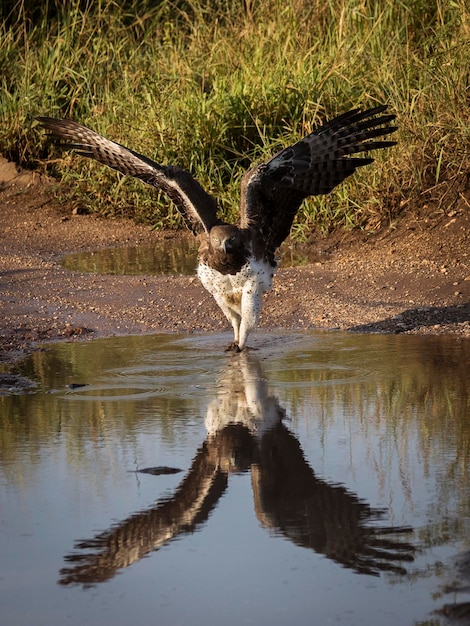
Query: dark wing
(196, 206)
(273, 191)
(101, 557)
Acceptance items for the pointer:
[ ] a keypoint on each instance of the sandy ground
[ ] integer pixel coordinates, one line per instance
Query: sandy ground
(414, 278)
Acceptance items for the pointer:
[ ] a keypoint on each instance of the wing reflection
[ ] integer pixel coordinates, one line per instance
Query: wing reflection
(246, 432)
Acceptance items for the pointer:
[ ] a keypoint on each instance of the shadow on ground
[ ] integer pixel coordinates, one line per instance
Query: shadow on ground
(413, 319)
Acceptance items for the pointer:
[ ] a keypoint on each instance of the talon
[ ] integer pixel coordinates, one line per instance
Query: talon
(233, 347)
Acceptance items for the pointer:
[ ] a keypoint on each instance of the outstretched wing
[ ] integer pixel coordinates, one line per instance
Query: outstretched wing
(196, 206)
(273, 191)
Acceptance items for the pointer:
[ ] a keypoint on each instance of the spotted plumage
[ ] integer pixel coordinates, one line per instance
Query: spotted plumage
(237, 262)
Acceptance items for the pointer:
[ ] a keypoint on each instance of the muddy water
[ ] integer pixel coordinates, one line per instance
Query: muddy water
(162, 259)
(321, 478)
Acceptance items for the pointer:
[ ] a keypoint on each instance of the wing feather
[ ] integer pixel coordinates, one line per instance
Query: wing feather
(198, 208)
(273, 191)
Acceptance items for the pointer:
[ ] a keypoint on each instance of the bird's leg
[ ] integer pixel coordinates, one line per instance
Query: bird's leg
(234, 318)
(233, 347)
(250, 308)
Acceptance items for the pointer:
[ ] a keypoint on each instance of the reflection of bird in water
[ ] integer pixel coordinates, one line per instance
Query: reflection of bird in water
(237, 263)
(246, 432)
(458, 611)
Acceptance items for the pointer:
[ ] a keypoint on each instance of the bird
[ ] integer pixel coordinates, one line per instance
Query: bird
(237, 262)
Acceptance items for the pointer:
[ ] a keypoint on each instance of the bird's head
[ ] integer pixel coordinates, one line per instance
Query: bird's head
(226, 238)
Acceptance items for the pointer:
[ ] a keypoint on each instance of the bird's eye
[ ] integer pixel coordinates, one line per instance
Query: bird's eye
(233, 237)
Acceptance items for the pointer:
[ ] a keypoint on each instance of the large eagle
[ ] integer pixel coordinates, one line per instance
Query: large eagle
(237, 262)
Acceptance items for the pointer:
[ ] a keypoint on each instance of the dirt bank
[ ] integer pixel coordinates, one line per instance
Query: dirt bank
(414, 278)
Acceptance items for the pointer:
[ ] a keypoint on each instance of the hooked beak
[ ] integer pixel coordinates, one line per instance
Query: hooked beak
(228, 246)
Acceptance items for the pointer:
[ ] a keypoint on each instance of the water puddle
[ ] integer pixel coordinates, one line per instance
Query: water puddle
(163, 258)
(158, 480)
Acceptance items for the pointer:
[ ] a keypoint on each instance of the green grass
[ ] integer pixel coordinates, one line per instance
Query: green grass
(213, 86)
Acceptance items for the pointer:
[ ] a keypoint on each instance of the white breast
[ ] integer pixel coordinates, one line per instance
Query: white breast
(254, 274)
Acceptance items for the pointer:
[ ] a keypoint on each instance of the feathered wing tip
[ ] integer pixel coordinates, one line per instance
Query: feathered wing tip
(355, 129)
(273, 191)
(196, 206)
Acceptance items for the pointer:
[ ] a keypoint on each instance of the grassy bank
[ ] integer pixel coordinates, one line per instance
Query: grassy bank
(212, 89)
